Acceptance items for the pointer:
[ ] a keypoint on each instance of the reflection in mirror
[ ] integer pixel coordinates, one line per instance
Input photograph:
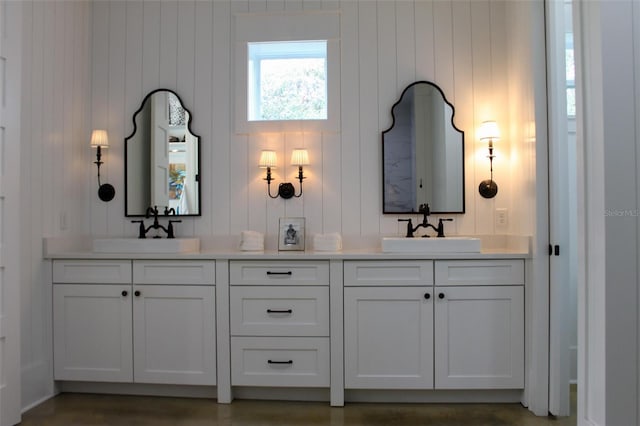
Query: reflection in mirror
(423, 154)
(162, 158)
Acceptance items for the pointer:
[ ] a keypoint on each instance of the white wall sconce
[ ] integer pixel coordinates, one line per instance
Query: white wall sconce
(489, 132)
(99, 140)
(268, 160)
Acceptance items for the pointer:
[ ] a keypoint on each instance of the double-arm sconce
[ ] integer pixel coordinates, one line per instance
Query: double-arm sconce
(268, 160)
(490, 133)
(99, 140)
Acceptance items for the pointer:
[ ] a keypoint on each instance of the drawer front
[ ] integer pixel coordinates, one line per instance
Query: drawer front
(480, 272)
(83, 271)
(192, 272)
(388, 273)
(281, 362)
(279, 273)
(279, 311)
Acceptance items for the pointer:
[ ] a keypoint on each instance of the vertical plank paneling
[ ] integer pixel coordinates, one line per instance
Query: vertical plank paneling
(238, 153)
(312, 198)
(208, 121)
(349, 105)
(368, 125)
(463, 104)
(484, 108)
(185, 84)
(423, 21)
(114, 158)
(57, 130)
(168, 62)
(150, 46)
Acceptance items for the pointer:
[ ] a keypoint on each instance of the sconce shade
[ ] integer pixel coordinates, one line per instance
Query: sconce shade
(489, 131)
(300, 157)
(267, 159)
(99, 138)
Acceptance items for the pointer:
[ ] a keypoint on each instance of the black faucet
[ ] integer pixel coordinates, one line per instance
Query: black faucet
(153, 211)
(424, 209)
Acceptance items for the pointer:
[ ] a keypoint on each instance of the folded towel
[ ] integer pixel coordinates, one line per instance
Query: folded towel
(251, 241)
(327, 242)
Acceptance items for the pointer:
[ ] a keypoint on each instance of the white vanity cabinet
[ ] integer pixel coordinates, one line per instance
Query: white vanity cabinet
(388, 324)
(150, 321)
(279, 323)
(421, 324)
(479, 324)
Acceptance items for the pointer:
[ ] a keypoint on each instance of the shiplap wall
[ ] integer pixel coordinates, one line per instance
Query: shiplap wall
(55, 174)
(187, 46)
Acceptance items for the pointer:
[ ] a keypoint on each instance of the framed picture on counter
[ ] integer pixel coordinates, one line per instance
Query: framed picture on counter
(291, 234)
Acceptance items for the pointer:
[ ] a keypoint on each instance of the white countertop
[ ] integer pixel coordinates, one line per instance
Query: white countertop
(223, 248)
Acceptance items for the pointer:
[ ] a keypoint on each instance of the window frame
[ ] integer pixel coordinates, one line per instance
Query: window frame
(287, 26)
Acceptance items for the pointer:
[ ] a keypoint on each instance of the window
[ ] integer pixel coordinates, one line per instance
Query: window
(287, 80)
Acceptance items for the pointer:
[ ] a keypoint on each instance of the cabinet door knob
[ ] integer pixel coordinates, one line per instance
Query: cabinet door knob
(124, 293)
(137, 293)
(427, 296)
(441, 296)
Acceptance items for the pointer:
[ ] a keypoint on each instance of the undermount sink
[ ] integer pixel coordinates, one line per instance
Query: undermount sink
(146, 245)
(430, 245)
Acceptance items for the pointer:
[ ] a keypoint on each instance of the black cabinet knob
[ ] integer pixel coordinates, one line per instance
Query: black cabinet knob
(441, 295)
(124, 293)
(137, 293)
(427, 296)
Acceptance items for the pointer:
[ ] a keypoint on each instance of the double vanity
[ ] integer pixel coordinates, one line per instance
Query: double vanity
(401, 319)
(356, 325)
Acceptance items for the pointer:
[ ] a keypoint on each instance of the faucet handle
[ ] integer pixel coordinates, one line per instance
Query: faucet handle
(409, 227)
(141, 230)
(170, 233)
(441, 226)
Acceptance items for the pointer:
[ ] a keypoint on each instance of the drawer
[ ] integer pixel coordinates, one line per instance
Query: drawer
(279, 311)
(388, 273)
(279, 273)
(192, 272)
(84, 271)
(282, 361)
(480, 272)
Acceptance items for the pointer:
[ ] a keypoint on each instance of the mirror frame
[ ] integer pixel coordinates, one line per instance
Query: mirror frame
(462, 159)
(135, 128)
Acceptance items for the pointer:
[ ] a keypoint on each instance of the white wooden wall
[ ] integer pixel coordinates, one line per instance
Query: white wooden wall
(10, 66)
(187, 46)
(56, 171)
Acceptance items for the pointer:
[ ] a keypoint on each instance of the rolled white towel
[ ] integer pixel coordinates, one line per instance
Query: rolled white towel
(327, 242)
(251, 241)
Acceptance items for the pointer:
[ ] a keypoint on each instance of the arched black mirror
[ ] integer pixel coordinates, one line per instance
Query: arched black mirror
(423, 154)
(162, 165)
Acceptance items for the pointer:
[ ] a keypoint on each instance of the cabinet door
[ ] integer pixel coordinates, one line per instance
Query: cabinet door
(92, 332)
(174, 334)
(479, 337)
(388, 337)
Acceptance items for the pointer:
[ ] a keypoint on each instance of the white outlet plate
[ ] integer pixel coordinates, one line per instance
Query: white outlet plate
(502, 218)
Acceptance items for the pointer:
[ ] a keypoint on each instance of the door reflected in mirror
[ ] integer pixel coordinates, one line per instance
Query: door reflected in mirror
(423, 154)
(162, 158)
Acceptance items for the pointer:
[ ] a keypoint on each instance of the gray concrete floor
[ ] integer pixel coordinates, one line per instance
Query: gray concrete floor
(89, 409)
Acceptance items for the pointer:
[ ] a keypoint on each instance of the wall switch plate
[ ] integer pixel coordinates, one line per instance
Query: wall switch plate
(63, 221)
(502, 218)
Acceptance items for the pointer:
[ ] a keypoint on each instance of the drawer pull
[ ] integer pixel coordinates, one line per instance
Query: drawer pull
(280, 362)
(279, 273)
(279, 311)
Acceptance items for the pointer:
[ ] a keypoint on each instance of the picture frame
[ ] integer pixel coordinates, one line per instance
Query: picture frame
(291, 234)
